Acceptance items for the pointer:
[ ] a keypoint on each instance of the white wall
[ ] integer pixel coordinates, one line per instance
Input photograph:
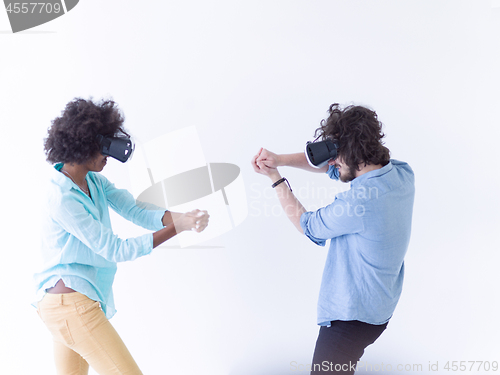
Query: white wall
(263, 73)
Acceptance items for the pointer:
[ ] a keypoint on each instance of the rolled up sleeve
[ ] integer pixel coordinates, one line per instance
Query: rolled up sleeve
(336, 219)
(122, 202)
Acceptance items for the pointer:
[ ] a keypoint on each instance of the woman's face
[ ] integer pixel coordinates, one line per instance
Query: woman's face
(97, 163)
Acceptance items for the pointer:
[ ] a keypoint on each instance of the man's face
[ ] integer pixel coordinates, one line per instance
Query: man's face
(346, 174)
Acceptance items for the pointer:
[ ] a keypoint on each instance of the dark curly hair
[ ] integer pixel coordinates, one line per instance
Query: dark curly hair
(72, 138)
(359, 134)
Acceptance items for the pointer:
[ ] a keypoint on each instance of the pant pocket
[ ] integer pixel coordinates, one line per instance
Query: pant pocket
(91, 315)
(61, 333)
(39, 310)
(87, 307)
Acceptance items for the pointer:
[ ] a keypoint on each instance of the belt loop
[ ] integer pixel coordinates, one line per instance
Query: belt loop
(61, 301)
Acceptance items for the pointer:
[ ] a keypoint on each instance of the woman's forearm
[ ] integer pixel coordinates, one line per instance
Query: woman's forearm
(169, 217)
(163, 235)
(176, 223)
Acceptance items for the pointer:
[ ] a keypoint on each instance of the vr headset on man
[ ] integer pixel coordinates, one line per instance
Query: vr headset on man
(318, 153)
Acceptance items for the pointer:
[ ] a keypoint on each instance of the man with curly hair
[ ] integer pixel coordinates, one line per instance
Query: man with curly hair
(369, 228)
(80, 251)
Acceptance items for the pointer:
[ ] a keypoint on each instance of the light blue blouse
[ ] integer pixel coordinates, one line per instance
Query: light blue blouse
(369, 227)
(78, 244)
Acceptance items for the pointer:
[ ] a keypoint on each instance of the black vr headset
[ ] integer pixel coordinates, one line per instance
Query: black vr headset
(121, 148)
(318, 153)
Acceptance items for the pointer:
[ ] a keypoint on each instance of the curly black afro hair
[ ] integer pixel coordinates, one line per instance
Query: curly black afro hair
(359, 133)
(72, 138)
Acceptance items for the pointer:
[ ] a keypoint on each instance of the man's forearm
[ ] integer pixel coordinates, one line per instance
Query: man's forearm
(298, 160)
(292, 207)
(290, 204)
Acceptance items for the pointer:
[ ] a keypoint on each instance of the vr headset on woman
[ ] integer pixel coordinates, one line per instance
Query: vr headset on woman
(121, 148)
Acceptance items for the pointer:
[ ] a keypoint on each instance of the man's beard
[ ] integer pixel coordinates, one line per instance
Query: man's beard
(347, 176)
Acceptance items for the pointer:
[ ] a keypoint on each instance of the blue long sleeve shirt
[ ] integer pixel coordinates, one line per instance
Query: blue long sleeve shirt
(78, 244)
(369, 228)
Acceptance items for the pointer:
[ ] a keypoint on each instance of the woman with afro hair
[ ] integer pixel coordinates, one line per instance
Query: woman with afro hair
(80, 251)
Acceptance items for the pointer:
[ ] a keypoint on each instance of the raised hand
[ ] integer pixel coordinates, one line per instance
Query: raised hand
(195, 220)
(265, 162)
(268, 158)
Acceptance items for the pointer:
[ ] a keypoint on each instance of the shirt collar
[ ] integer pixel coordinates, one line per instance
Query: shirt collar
(60, 179)
(375, 173)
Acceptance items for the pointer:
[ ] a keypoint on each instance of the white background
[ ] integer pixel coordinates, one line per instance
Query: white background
(262, 74)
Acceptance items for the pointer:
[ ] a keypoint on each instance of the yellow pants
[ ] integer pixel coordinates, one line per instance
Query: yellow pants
(83, 336)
